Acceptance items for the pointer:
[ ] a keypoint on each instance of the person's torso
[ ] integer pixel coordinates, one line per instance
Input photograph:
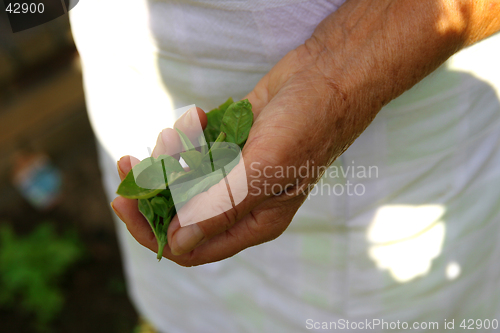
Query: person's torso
(416, 237)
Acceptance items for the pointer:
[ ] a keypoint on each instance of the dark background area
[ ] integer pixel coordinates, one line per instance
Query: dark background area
(42, 110)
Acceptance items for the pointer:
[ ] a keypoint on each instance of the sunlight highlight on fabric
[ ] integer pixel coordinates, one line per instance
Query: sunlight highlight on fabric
(405, 239)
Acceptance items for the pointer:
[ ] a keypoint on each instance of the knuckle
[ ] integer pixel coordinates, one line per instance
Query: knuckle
(314, 46)
(229, 217)
(219, 223)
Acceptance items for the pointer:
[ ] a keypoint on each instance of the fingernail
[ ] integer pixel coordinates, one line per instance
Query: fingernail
(120, 172)
(116, 212)
(187, 120)
(186, 239)
(159, 147)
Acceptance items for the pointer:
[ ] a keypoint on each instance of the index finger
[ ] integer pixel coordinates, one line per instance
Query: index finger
(191, 123)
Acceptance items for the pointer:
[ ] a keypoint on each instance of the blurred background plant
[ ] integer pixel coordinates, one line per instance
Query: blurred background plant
(49, 172)
(31, 268)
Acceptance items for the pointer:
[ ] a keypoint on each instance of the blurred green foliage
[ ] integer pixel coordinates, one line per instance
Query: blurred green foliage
(31, 268)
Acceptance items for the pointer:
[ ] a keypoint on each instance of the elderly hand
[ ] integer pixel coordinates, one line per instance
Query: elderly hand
(310, 107)
(293, 125)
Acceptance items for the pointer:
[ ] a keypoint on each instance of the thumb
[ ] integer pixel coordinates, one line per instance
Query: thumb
(218, 209)
(212, 212)
(260, 96)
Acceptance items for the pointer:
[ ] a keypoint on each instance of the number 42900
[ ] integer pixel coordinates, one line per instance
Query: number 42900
(23, 8)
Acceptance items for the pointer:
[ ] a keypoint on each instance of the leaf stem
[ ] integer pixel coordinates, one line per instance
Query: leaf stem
(161, 246)
(220, 138)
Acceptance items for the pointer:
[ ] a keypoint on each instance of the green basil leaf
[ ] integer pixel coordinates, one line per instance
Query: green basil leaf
(203, 185)
(147, 210)
(166, 194)
(146, 180)
(186, 191)
(206, 165)
(152, 177)
(179, 177)
(223, 107)
(143, 165)
(237, 121)
(128, 188)
(161, 238)
(148, 184)
(166, 221)
(223, 155)
(203, 145)
(214, 121)
(161, 206)
(171, 164)
(226, 157)
(192, 158)
(186, 143)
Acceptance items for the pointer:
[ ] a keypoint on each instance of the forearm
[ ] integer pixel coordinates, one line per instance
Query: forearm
(373, 51)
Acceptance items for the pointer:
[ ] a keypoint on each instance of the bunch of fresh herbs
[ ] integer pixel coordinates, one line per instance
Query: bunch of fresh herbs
(158, 182)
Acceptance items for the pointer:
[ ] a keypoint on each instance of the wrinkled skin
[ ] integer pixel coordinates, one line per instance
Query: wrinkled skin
(311, 106)
(283, 134)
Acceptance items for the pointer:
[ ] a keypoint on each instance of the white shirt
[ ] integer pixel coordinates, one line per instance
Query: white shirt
(419, 239)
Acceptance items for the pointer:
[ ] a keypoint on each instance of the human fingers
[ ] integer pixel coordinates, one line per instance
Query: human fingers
(218, 209)
(192, 123)
(266, 222)
(125, 164)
